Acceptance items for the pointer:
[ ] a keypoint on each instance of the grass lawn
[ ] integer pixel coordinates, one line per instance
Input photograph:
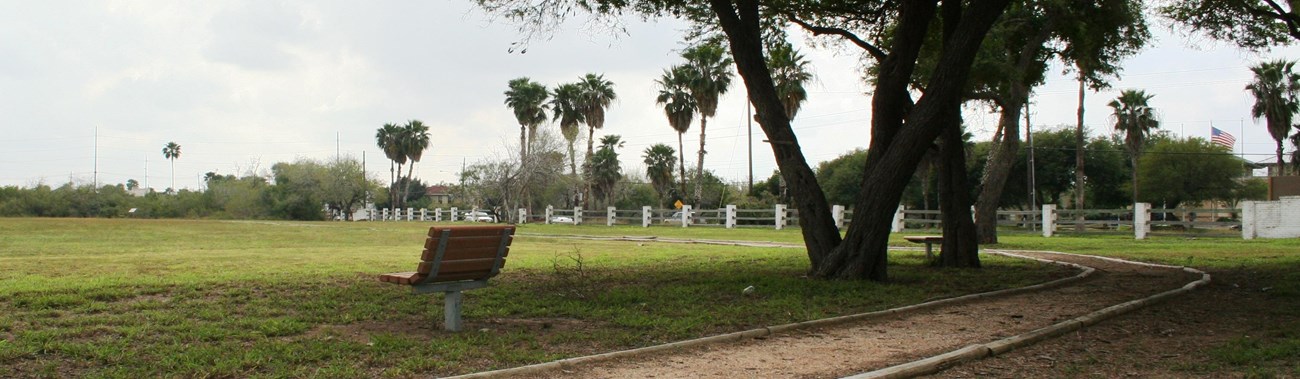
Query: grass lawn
(149, 298)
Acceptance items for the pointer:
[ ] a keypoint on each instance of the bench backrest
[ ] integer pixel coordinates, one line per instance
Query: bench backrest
(455, 253)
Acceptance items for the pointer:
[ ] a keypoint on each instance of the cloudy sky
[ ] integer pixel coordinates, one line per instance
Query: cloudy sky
(241, 85)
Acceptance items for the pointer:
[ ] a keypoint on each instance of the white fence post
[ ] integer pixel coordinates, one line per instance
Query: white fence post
(385, 215)
(1248, 220)
(410, 214)
(523, 215)
(645, 216)
(731, 216)
(1141, 220)
(1049, 219)
(686, 215)
(550, 210)
(609, 220)
(577, 215)
(837, 213)
(454, 214)
(424, 214)
(437, 214)
(899, 216)
(779, 216)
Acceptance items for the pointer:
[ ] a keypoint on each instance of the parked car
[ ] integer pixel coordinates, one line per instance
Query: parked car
(479, 216)
(676, 218)
(561, 220)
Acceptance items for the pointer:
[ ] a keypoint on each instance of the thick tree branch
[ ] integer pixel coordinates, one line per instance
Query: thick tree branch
(1286, 17)
(875, 52)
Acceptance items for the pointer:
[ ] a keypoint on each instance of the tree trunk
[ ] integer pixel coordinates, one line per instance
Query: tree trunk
(586, 166)
(996, 171)
(681, 157)
(741, 23)
(1080, 185)
(406, 189)
(1134, 159)
(894, 152)
(392, 182)
(573, 160)
(1281, 170)
(523, 143)
(960, 242)
(699, 168)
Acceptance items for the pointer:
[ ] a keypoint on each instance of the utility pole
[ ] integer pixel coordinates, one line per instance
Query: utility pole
(96, 168)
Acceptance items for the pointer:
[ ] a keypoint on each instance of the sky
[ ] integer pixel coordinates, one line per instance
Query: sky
(92, 91)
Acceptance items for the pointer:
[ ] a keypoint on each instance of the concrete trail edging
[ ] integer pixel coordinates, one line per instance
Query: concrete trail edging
(562, 364)
(974, 352)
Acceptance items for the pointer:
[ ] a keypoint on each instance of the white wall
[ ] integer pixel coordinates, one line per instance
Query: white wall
(1271, 219)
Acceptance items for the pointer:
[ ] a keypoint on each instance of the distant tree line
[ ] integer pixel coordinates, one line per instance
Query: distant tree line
(300, 190)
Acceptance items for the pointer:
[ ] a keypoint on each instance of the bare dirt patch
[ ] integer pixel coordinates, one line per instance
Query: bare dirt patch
(863, 346)
(1175, 339)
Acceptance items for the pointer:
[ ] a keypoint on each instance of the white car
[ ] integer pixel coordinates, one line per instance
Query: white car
(479, 216)
(561, 220)
(677, 218)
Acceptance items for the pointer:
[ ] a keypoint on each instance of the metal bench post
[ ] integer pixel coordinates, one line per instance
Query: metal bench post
(451, 311)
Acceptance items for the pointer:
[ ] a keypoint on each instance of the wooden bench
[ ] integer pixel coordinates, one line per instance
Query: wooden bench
(455, 259)
(929, 242)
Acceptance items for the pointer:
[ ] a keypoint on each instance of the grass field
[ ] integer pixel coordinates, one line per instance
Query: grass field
(148, 298)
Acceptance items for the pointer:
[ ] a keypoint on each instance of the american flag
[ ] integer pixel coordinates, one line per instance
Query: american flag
(1222, 137)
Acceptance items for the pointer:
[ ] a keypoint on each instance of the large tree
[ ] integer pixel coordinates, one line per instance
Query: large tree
(1251, 24)
(679, 107)
(172, 151)
(605, 168)
(902, 127)
(1109, 31)
(389, 139)
(528, 101)
(414, 141)
(565, 106)
(1276, 88)
(1136, 119)
(710, 78)
(1190, 170)
(790, 73)
(659, 168)
(597, 95)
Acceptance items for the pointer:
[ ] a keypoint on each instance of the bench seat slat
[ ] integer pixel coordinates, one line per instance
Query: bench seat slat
(459, 266)
(457, 241)
(410, 278)
(467, 231)
(465, 253)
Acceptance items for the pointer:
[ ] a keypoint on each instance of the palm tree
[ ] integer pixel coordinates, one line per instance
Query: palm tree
(1275, 89)
(414, 140)
(605, 170)
(527, 99)
(388, 138)
(710, 79)
(659, 167)
(171, 152)
(789, 74)
(679, 107)
(1136, 119)
(565, 101)
(597, 94)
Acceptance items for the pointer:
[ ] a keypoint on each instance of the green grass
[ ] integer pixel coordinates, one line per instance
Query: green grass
(149, 298)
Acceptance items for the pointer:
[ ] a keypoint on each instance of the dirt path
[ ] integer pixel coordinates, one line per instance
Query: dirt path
(863, 346)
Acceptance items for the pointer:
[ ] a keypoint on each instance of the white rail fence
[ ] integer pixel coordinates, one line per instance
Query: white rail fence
(1140, 221)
